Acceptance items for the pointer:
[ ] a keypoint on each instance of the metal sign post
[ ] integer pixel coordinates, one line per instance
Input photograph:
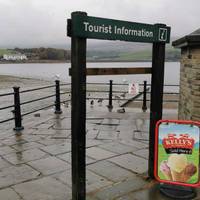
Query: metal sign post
(80, 27)
(157, 82)
(78, 61)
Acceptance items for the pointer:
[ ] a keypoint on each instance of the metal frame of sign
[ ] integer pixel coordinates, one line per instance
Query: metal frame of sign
(156, 152)
(157, 34)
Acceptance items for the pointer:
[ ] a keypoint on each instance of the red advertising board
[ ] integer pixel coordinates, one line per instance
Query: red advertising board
(177, 152)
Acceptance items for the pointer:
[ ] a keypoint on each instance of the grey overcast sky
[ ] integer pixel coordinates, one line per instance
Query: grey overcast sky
(32, 23)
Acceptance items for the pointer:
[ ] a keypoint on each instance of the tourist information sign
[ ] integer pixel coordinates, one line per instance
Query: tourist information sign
(82, 27)
(109, 29)
(177, 152)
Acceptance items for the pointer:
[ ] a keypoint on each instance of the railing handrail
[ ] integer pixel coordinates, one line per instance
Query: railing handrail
(35, 89)
(58, 93)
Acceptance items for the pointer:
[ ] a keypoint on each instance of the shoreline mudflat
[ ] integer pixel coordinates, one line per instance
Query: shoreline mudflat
(8, 82)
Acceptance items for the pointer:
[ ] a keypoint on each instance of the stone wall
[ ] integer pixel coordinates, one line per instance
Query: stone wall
(189, 104)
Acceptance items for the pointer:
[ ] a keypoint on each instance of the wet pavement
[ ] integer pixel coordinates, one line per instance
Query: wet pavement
(36, 165)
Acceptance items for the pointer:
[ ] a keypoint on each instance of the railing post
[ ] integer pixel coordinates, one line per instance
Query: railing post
(17, 110)
(144, 105)
(110, 106)
(57, 102)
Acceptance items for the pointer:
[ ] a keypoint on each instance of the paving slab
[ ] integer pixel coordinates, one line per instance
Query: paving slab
(106, 127)
(57, 149)
(4, 164)
(4, 150)
(33, 138)
(49, 165)
(117, 147)
(131, 162)
(144, 153)
(94, 142)
(43, 126)
(107, 135)
(26, 146)
(92, 134)
(128, 127)
(121, 188)
(51, 141)
(110, 171)
(67, 157)
(94, 182)
(13, 175)
(64, 177)
(43, 189)
(13, 140)
(110, 122)
(136, 144)
(24, 156)
(139, 135)
(9, 194)
(151, 193)
(98, 153)
(126, 135)
(64, 124)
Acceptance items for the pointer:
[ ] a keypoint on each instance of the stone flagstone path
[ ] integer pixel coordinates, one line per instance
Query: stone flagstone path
(36, 165)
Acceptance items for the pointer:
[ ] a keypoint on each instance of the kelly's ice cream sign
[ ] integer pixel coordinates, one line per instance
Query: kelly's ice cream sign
(177, 152)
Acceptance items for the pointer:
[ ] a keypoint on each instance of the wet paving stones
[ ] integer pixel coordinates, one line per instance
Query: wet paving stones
(49, 165)
(144, 153)
(120, 188)
(99, 154)
(4, 164)
(67, 157)
(64, 124)
(13, 175)
(37, 164)
(57, 149)
(9, 194)
(108, 135)
(131, 162)
(117, 147)
(95, 182)
(109, 170)
(45, 188)
(24, 156)
(4, 150)
(151, 193)
(26, 146)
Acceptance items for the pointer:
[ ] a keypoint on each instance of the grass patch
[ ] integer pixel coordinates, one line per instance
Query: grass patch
(6, 51)
(140, 55)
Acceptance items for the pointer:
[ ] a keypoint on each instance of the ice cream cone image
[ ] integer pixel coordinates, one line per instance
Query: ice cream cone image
(176, 176)
(188, 172)
(181, 170)
(177, 164)
(164, 168)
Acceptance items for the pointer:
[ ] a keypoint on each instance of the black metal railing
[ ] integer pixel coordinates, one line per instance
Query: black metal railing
(109, 91)
(17, 113)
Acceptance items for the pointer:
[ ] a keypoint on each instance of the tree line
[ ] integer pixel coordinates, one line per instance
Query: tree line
(45, 53)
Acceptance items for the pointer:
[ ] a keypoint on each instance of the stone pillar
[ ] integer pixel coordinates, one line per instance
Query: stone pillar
(189, 100)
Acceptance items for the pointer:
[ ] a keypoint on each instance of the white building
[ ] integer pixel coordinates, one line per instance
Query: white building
(14, 57)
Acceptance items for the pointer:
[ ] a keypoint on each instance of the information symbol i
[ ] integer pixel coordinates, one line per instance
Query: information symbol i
(162, 34)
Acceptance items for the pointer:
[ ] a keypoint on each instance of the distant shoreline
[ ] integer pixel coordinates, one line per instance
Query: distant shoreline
(68, 61)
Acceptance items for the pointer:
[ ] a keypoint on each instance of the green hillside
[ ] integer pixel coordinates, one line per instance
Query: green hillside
(5, 51)
(146, 55)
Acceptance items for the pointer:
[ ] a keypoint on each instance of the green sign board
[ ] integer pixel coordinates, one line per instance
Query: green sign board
(109, 29)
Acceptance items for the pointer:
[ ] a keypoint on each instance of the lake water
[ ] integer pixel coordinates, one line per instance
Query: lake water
(48, 71)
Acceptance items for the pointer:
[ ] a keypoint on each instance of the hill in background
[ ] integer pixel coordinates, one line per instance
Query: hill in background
(99, 51)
